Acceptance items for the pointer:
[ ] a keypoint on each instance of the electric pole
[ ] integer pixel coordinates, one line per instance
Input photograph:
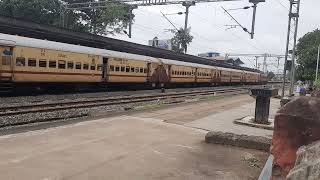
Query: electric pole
(318, 57)
(278, 65)
(255, 2)
(187, 4)
(131, 8)
(293, 17)
(257, 61)
(265, 63)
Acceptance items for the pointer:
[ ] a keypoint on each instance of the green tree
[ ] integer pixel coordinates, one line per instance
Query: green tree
(110, 20)
(40, 11)
(180, 40)
(307, 49)
(270, 75)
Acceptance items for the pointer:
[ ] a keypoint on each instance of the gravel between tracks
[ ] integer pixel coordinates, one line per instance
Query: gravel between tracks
(65, 114)
(6, 121)
(61, 115)
(47, 98)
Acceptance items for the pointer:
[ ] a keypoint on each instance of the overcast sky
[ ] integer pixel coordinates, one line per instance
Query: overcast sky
(207, 22)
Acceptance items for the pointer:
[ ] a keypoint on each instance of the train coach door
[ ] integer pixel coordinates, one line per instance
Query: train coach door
(148, 72)
(6, 64)
(105, 69)
(169, 72)
(196, 75)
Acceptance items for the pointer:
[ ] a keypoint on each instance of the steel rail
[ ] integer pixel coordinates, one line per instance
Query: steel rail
(50, 107)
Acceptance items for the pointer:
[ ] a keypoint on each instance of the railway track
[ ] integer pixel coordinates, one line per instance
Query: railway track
(56, 106)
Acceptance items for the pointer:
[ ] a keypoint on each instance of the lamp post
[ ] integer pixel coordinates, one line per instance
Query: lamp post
(317, 70)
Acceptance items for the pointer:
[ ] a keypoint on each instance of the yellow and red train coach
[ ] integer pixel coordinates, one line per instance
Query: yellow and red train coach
(34, 62)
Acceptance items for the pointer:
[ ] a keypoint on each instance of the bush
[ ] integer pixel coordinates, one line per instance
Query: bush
(317, 84)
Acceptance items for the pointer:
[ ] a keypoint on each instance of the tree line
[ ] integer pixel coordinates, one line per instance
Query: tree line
(110, 20)
(113, 19)
(307, 51)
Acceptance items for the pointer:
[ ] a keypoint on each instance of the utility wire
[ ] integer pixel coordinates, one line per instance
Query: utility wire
(283, 5)
(142, 27)
(169, 21)
(191, 33)
(244, 29)
(222, 28)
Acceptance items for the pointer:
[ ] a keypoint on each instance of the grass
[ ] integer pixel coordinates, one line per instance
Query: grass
(163, 104)
(151, 106)
(251, 160)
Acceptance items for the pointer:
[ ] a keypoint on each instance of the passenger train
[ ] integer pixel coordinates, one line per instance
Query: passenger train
(35, 63)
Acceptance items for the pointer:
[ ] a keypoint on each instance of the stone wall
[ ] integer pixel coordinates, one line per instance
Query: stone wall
(307, 166)
(296, 124)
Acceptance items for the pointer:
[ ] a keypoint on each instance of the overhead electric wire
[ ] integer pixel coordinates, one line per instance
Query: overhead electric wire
(245, 29)
(169, 21)
(283, 5)
(192, 33)
(222, 28)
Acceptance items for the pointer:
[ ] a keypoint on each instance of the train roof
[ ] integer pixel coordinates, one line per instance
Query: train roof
(13, 40)
(45, 44)
(181, 63)
(22, 27)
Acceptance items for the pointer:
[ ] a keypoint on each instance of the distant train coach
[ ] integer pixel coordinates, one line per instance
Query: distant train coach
(34, 63)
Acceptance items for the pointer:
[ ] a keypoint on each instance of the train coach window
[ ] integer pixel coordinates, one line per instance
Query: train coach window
(117, 68)
(6, 60)
(78, 65)
(32, 62)
(52, 64)
(132, 69)
(70, 65)
(123, 69)
(127, 68)
(141, 70)
(42, 63)
(85, 66)
(111, 68)
(99, 67)
(20, 61)
(61, 64)
(93, 67)
(137, 70)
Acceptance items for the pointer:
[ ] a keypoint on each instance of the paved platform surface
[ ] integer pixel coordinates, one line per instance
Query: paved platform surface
(185, 113)
(217, 115)
(223, 121)
(123, 147)
(159, 144)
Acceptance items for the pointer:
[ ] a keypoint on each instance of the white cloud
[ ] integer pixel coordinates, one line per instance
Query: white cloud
(207, 22)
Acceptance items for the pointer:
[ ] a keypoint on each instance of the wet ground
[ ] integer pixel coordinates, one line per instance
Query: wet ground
(141, 145)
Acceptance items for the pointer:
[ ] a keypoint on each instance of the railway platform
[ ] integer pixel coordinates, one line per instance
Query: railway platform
(164, 143)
